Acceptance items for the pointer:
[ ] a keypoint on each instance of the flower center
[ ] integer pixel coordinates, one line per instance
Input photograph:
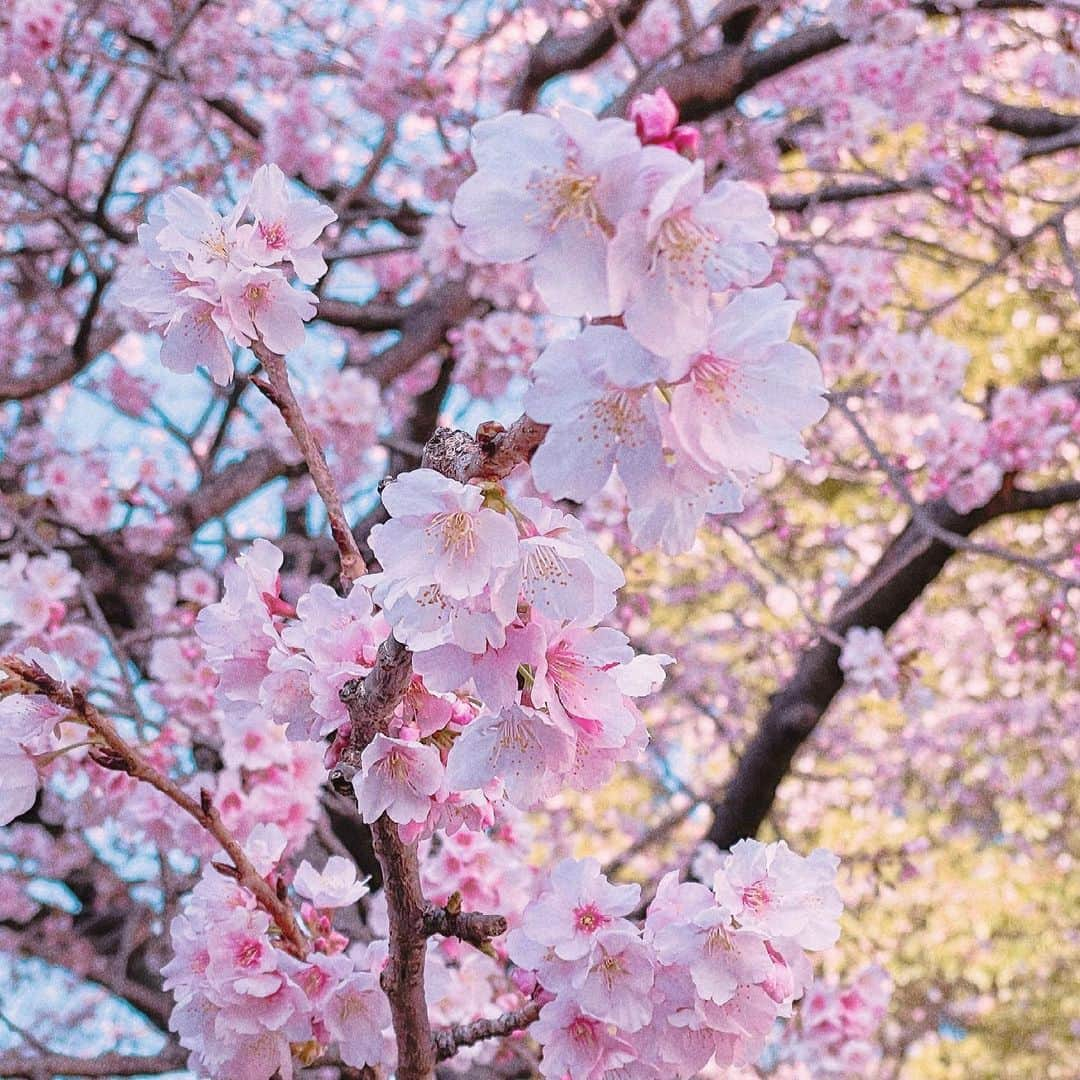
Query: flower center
(217, 245)
(589, 918)
(714, 377)
(544, 563)
(685, 246)
(617, 417)
(568, 196)
(583, 1030)
(458, 532)
(718, 940)
(256, 296)
(756, 896)
(248, 954)
(274, 235)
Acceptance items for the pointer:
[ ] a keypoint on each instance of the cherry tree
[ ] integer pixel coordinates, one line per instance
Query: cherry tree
(538, 540)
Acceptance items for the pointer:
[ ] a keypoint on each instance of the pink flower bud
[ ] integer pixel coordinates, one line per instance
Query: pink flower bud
(654, 116)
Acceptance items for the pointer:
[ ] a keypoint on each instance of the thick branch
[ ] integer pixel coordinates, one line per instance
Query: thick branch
(403, 976)
(909, 564)
(553, 55)
(369, 318)
(423, 327)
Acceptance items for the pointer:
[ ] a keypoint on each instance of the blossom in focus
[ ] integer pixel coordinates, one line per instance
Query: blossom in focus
(596, 392)
(550, 189)
(209, 279)
(336, 885)
(286, 227)
(752, 392)
(397, 778)
(441, 533)
(668, 258)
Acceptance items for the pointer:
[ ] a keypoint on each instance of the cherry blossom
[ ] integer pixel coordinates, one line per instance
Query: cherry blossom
(332, 887)
(441, 532)
(668, 258)
(580, 904)
(596, 392)
(209, 280)
(752, 392)
(398, 779)
(867, 662)
(550, 189)
(868, 196)
(286, 227)
(520, 746)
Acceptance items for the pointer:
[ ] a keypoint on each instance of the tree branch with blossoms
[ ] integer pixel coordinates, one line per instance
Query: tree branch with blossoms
(625, 285)
(111, 751)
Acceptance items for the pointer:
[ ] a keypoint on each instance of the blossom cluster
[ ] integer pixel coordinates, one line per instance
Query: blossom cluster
(704, 979)
(968, 456)
(244, 1001)
(502, 598)
(835, 1032)
(490, 351)
(694, 386)
(210, 279)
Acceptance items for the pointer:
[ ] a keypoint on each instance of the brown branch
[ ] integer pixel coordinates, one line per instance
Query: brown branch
(88, 344)
(368, 318)
(371, 702)
(491, 455)
(904, 571)
(473, 927)
(423, 328)
(403, 976)
(554, 55)
(113, 752)
(714, 82)
(280, 393)
(448, 1041)
(1030, 121)
(46, 1066)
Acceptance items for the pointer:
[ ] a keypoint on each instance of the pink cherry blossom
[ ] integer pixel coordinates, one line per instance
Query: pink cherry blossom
(334, 886)
(262, 304)
(752, 392)
(440, 531)
(397, 778)
(770, 889)
(286, 227)
(668, 258)
(550, 189)
(597, 393)
(577, 1045)
(580, 904)
(520, 746)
